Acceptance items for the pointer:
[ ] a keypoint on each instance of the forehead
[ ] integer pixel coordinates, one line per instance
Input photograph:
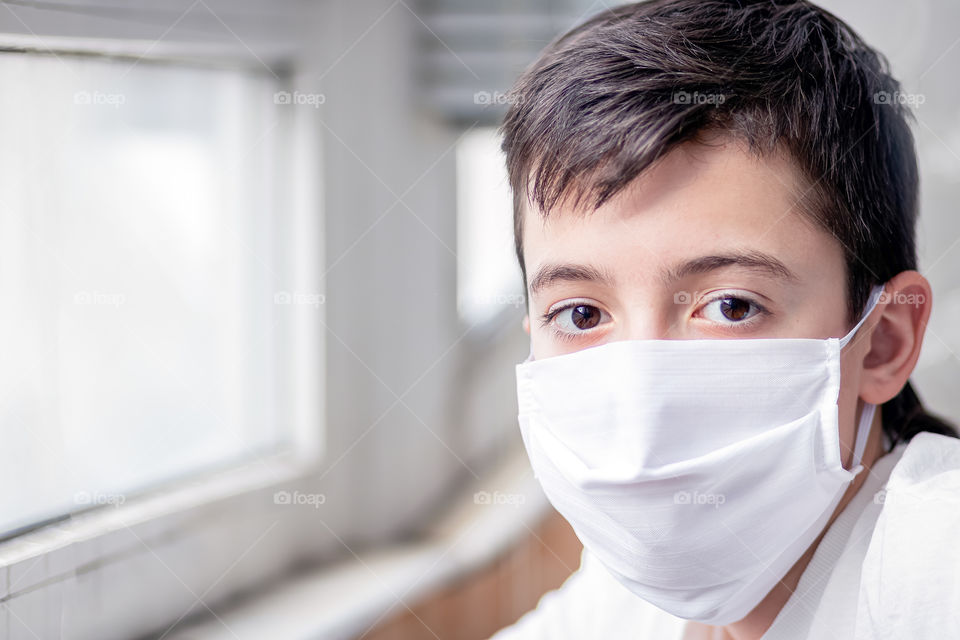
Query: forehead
(698, 199)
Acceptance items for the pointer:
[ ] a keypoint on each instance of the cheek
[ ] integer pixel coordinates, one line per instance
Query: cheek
(544, 346)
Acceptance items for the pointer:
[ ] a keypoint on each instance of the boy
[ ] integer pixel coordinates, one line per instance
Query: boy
(691, 177)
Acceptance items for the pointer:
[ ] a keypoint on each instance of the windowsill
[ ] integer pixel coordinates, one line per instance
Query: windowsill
(83, 538)
(345, 600)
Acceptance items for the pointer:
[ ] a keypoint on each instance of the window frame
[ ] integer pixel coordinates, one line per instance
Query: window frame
(155, 537)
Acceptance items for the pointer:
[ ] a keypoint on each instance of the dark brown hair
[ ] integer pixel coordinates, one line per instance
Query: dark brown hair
(607, 99)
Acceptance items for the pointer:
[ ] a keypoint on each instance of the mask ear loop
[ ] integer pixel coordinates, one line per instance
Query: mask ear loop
(869, 409)
(875, 294)
(529, 357)
(863, 432)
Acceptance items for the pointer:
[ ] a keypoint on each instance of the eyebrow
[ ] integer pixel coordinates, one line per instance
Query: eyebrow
(550, 274)
(753, 260)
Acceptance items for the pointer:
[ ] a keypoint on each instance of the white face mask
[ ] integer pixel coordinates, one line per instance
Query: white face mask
(697, 471)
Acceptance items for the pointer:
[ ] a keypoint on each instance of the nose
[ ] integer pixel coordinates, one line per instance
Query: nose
(648, 320)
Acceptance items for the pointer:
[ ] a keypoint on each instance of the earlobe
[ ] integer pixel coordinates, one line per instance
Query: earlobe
(897, 337)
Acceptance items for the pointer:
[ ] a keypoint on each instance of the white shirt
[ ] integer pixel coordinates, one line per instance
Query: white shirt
(888, 567)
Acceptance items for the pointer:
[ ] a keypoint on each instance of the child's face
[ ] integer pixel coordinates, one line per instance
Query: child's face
(709, 243)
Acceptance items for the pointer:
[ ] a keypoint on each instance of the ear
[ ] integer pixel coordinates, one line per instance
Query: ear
(526, 323)
(896, 339)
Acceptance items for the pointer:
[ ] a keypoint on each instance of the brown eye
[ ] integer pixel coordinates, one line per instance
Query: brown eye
(731, 310)
(578, 317)
(734, 308)
(585, 317)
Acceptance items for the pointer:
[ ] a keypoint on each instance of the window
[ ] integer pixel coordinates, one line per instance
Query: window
(488, 277)
(150, 291)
